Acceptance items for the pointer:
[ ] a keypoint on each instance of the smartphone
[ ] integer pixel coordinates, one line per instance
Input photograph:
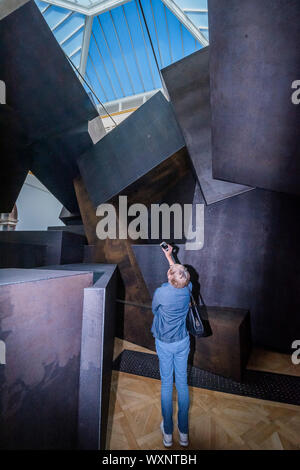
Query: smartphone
(164, 246)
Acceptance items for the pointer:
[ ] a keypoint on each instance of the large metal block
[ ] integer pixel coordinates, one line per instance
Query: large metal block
(40, 83)
(60, 246)
(226, 351)
(254, 60)
(54, 108)
(41, 325)
(98, 269)
(140, 143)
(189, 88)
(153, 264)
(53, 161)
(8, 6)
(69, 228)
(15, 159)
(97, 345)
(22, 255)
(69, 218)
(89, 253)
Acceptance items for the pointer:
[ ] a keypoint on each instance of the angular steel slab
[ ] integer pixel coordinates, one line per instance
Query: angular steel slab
(54, 108)
(41, 325)
(97, 346)
(254, 59)
(54, 162)
(188, 85)
(15, 160)
(60, 246)
(98, 269)
(8, 6)
(140, 143)
(40, 83)
(152, 264)
(69, 218)
(59, 356)
(18, 275)
(69, 228)
(22, 255)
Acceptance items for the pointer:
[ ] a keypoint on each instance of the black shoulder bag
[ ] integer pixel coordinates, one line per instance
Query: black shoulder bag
(194, 323)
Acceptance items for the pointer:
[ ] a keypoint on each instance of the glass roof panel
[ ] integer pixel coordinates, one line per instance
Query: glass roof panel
(88, 6)
(118, 55)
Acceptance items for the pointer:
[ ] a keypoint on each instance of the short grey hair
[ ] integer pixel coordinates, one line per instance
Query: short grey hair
(178, 276)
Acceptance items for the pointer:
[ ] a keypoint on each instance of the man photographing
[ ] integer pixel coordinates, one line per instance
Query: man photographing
(170, 307)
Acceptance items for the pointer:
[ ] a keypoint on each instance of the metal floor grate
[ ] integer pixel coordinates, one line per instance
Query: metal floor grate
(256, 384)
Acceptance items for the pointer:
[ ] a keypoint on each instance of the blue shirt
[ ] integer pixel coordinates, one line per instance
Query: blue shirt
(170, 306)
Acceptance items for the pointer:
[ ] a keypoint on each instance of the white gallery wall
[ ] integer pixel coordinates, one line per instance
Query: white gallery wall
(37, 208)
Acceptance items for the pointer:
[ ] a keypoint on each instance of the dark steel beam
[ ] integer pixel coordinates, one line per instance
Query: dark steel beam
(40, 83)
(15, 159)
(254, 59)
(51, 104)
(188, 85)
(144, 140)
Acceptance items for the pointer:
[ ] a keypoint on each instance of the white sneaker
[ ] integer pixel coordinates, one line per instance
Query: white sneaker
(183, 439)
(167, 438)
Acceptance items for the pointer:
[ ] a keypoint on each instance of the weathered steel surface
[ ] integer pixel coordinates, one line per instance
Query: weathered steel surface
(41, 324)
(153, 264)
(227, 349)
(8, 6)
(22, 255)
(98, 269)
(189, 88)
(54, 162)
(40, 83)
(60, 246)
(254, 59)
(15, 160)
(69, 228)
(140, 143)
(131, 287)
(89, 253)
(248, 261)
(54, 108)
(97, 345)
(153, 187)
(69, 218)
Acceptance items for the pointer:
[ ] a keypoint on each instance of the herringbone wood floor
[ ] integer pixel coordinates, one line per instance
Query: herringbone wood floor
(217, 420)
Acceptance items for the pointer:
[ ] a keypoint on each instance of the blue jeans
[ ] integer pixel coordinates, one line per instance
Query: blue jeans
(174, 356)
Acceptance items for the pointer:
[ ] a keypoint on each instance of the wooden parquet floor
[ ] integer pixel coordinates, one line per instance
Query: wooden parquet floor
(218, 421)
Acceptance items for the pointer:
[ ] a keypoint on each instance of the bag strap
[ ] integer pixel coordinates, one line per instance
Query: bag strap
(195, 308)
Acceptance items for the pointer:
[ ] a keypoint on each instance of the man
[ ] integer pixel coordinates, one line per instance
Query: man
(170, 306)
